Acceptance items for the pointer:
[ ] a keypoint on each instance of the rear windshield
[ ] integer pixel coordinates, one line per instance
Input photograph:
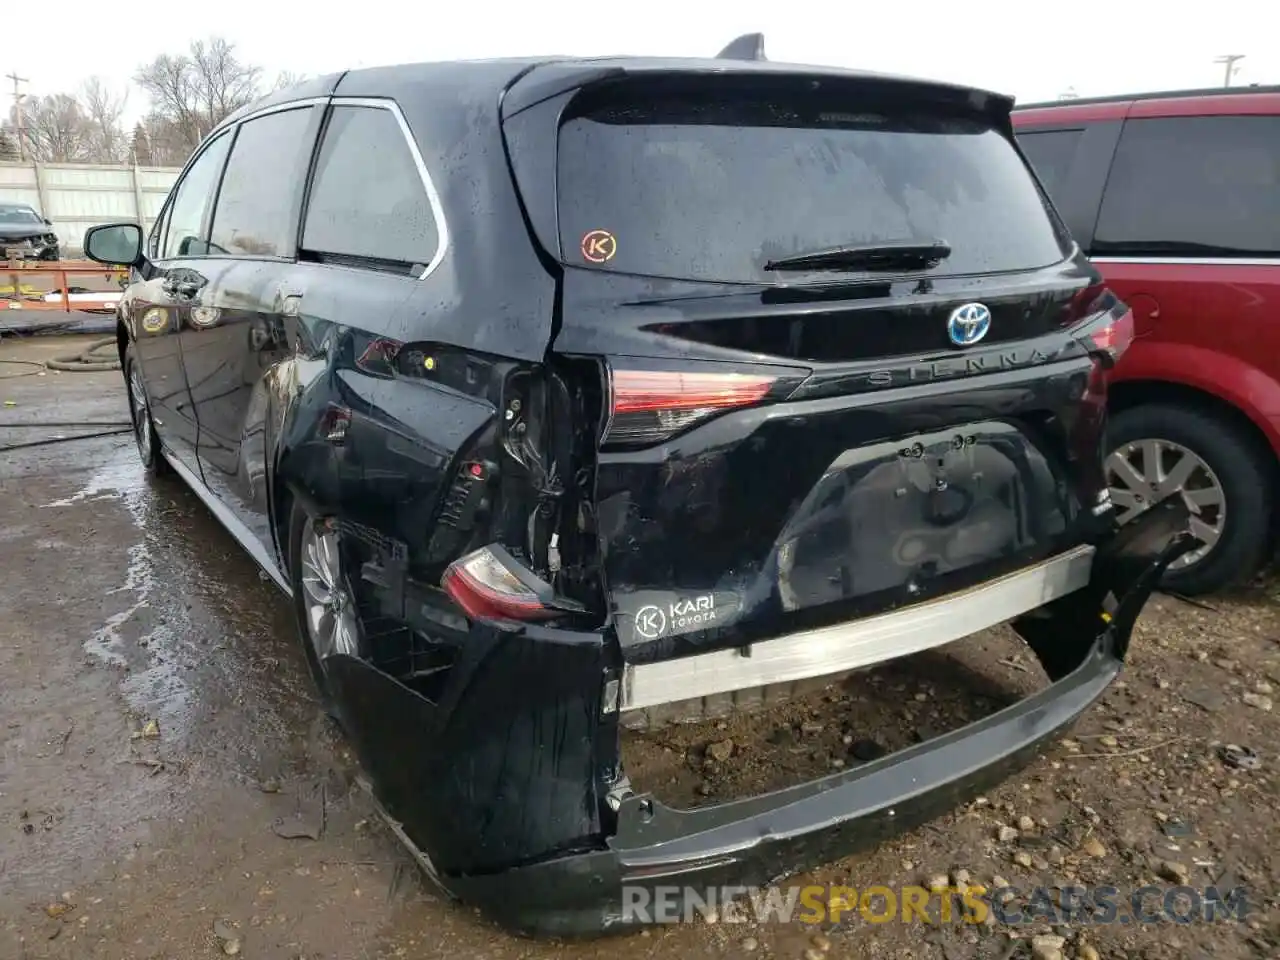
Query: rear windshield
(713, 187)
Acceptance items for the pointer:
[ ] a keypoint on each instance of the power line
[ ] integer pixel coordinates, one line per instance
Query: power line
(17, 112)
(1229, 60)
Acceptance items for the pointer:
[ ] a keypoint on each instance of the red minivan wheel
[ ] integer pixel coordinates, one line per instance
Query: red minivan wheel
(1159, 450)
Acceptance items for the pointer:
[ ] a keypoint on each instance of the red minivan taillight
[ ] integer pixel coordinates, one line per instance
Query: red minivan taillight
(648, 406)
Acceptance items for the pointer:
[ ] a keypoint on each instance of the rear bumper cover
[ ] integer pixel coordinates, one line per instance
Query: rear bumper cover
(472, 795)
(752, 842)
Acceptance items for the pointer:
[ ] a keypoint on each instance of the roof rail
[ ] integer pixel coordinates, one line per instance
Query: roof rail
(749, 46)
(1152, 95)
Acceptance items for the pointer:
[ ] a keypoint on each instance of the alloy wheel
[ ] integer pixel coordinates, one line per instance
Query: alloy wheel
(1143, 473)
(330, 609)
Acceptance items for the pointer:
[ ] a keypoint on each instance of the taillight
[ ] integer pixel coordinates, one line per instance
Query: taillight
(1098, 319)
(334, 423)
(1113, 335)
(1108, 334)
(647, 406)
(379, 357)
(486, 586)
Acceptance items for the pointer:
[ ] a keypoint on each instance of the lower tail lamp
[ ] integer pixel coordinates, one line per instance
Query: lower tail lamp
(485, 584)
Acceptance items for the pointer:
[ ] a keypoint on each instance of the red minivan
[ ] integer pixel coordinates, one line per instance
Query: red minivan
(1176, 198)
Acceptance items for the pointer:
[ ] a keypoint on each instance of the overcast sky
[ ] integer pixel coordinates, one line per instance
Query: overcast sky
(1032, 51)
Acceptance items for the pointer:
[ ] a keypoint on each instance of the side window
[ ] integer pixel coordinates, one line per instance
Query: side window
(1198, 186)
(256, 215)
(368, 202)
(1051, 153)
(187, 214)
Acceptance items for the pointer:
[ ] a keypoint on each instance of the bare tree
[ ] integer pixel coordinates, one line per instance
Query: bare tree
(104, 110)
(191, 93)
(56, 129)
(140, 147)
(287, 78)
(8, 144)
(166, 141)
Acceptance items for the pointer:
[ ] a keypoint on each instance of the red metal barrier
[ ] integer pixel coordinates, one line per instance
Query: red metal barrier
(58, 270)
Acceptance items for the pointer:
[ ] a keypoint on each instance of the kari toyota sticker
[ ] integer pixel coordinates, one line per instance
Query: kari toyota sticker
(599, 246)
(652, 615)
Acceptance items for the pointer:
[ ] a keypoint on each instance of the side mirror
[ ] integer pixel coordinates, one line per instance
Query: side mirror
(48, 222)
(115, 244)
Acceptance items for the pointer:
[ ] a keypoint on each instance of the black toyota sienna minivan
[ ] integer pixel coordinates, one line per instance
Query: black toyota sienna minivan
(562, 394)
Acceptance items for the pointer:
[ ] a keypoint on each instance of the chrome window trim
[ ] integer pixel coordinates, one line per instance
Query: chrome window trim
(228, 128)
(266, 111)
(433, 197)
(378, 103)
(857, 643)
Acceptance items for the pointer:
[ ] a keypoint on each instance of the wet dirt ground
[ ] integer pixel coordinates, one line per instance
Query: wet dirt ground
(169, 788)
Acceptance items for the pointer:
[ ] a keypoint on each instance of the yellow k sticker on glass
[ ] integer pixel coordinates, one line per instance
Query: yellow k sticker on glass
(599, 246)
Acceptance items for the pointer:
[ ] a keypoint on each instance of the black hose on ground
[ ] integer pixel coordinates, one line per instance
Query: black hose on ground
(29, 424)
(99, 355)
(80, 436)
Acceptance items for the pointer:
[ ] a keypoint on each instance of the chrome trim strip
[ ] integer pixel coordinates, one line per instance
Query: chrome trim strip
(265, 111)
(1195, 261)
(437, 209)
(222, 513)
(857, 643)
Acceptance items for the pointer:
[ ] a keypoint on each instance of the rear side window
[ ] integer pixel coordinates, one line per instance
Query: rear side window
(1199, 186)
(185, 217)
(714, 187)
(256, 215)
(1051, 152)
(368, 201)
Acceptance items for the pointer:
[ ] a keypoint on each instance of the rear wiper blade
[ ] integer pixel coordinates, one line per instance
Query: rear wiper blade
(876, 256)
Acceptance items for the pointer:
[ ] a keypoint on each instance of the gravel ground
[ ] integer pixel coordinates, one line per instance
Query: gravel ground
(170, 790)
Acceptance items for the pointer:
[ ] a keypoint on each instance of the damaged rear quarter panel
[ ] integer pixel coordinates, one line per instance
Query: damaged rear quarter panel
(502, 762)
(502, 770)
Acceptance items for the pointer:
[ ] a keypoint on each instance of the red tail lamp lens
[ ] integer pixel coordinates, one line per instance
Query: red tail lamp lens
(483, 586)
(1113, 335)
(651, 405)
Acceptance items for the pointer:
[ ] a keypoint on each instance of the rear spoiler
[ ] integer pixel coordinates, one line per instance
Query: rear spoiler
(749, 46)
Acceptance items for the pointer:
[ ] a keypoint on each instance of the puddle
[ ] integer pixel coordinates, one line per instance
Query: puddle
(108, 643)
(137, 637)
(122, 477)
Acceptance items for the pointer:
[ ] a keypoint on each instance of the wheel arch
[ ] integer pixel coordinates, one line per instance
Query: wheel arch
(122, 339)
(285, 493)
(1128, 394)
(1214, 381)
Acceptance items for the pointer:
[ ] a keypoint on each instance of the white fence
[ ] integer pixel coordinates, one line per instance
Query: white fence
(76, 196)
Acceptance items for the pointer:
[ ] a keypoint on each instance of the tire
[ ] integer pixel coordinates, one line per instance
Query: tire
(1240, 467)
(144, 427)
(305, 535)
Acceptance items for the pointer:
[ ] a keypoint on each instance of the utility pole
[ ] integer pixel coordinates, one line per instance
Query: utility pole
(1229, 68)
(17, 113)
